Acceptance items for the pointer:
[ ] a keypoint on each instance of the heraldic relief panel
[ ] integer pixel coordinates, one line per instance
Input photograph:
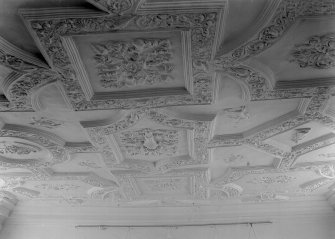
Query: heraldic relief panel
(157, 103)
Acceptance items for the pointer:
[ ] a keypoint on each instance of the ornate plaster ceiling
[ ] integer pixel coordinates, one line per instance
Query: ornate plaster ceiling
(149, 103)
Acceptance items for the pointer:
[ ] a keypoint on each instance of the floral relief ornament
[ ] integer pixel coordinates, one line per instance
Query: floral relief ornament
(137, 62)
(316, 52)
(150, 142)
(17, 148)
(201, 25)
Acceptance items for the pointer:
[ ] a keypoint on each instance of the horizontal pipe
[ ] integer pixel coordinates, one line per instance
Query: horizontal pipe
(179, 225)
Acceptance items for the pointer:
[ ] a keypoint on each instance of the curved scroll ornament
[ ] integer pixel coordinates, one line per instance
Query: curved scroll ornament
(20, 90)
(58, 153)
(326, 171)
(286, 14)
(317, 52)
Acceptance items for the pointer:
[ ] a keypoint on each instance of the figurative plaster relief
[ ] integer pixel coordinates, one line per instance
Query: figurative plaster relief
(299, 134)
(149, 142)
(46, 122)
(237, 114)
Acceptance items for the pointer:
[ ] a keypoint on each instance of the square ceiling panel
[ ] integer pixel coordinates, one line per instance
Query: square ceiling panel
(224, 158)
(302, 54)
(178, 184)
(131, 64)
(152, 144)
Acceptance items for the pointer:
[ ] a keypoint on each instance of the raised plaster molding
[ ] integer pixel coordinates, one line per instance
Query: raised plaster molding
(45, 122)
(259, 85)
(26, 192)
(238, 139)
(45, 140)
(316, 52)
(286, 14)
(311, 113)
(22, 65)
(80, 147)
(259, 23)
(102, 137)
(115, 7)
(20, 91)
(197, 187)
(222, 192)
(134, 62)
(280, 179)
(202, 45)
(17, 59)
(151, 6)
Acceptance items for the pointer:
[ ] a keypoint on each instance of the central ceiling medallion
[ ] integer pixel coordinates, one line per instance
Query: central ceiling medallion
(138, 62)
(149, 143)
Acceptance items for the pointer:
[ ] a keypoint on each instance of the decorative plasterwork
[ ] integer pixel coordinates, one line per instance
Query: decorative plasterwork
(114, 7)
(46, 122)
(149, 142)
(316, 52)
(256, 139)
(287, 13)
(155, 139)
(137, 185)
(281, 179)
(21, 65)
(48, 33)
(258, 87)
(58, 153)
(229, 190)
(138, 62)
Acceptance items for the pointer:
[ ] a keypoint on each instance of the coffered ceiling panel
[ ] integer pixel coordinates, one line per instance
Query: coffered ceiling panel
(306, 52)
(155, 103)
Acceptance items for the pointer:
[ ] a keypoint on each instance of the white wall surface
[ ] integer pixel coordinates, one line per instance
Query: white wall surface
(321, 228)
(314, 219)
